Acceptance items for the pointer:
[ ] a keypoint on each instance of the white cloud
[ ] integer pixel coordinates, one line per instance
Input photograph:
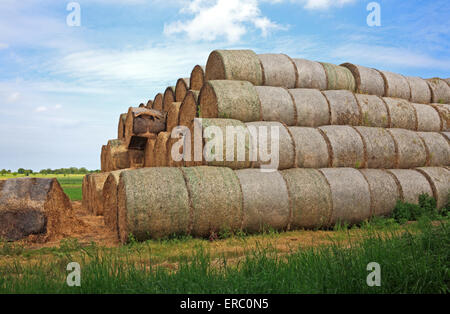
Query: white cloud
(58, 106)
(221, 18)
(323, 4)
(13, 97)
(41, 109)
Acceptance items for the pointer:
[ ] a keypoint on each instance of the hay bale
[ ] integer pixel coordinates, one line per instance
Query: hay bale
(310, 196)
(350, 195)
(160, 150)
(152, 203)
(446, 135)
(428, 119)
(181, 89)
(241, 143)
(173, 114)
(310, 74)
(311, 148)
(277, 105)
(411, 151)
(367, 80)
(264, 137)
(84, 192)
(189, 109)
(339, 77)
(384, 191)
(230, 100)
(142, 123)
(311, 107)
(440, 91)
(278, 70)
(103, 165)
(96, 182)
(346, 146)
(121, 126)
(439, 179)
(110, 200)
(32, 206)
(265, 200)
(374, 111)
(448, 81)
(197, 78)
(158, 102)
(420, 92)
(379, 146)
(149, 157)
(403, 114)
(170, 161)
(168, 98)
(412, 184)
(216, 199)
(343, 107)
(438, 148)
(395, 85)
(444, 113)
(149, 104)
(136, 157)
(238, 65)
(117, 155)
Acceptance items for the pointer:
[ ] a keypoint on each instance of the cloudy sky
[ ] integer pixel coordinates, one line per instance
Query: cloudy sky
(62, 88)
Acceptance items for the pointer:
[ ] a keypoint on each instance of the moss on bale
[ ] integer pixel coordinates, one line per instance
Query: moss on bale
(374, 111)
(152, 203)
(343, 107)
(160, 150)
(311, 74)
(439, 179)
(216, 199)
(278, 70)
(311, 148)
(339, 77)
(311, 107)
(197, 78)
(444, 113)
(277, 105)
(110, 200)
(380, 147)
(347, 147)
(438, 149)
(181, 89)
(420, 91)
(234, 65)
(158, 102)
(367, 80)
(403, 114)
(350, 195)
(395, 85)
(310, 195)
(173, 115)
(265, 200)
(384, 191)
(230, 100)
(440, 91)
(428, 119)
(412, 184)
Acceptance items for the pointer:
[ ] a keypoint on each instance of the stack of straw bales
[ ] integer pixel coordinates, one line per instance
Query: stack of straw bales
(352, 141)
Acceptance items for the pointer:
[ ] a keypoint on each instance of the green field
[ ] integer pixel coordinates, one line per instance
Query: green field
(71, 183)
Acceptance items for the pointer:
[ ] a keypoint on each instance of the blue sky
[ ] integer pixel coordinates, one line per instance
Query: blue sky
(62, 88)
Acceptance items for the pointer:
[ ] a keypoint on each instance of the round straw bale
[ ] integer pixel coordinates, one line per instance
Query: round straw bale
(384, 191)
(168, 98)
(311, 107)
(266, 200)
(367, 80)
(117, 155)
(395, 85)
(265, 137)
(339, 77)
(446, 135)
(350, 195)
(278, 70)
(141, 105)
(343, 107)
(310, 197)
(110, 200)
(411, 151)
(158, 102)
(311, 148)
(216, 199)
(311, 74)
(103, 165)
(420, 91)
(444, 113)
(197, 77)
(448, 81)
(173, 114)
(440, 91)
(241, 143)
(439, 179)
(84, 192)
(170, 161)
(438, 148)
(149, 157)
(276, 104)
(234, 65)
(181, 89)
(230, 100)
(97, 180)
(149, 104)
(428, 119)
(189, 109)
(380, 147)
(346, 145)
(403, 114)
(136, 157)
(160, 149)
(374, 111)
(152, 203)
(412, 184)
(121, 127)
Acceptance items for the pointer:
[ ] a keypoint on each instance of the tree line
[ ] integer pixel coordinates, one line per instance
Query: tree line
(71, 170)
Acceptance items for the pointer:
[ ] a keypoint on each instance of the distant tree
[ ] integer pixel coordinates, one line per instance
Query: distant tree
(4, 172)
(21, 171)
